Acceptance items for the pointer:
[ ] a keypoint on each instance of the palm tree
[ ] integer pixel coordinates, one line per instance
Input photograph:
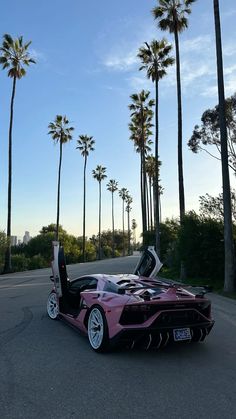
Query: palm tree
(123, 193)
(229, 284)
(171, 16)
(155, 58)
(99, 175)
(128, 201)
(112, 186)
(85, 145)
(141, 123)
(150, 169)
(61, 133)
(14, 56)
(151, 173)
(134, 225)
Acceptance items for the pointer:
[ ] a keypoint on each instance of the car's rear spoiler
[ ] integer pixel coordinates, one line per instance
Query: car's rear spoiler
(201, 289)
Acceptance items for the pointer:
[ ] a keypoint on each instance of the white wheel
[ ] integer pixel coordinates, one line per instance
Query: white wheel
(52, 306)
(97, 330)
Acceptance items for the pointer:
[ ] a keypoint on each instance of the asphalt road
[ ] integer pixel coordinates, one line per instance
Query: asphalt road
(48, 371)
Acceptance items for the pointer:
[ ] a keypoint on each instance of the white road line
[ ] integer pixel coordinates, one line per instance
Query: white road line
(5, 287)
(23, 277)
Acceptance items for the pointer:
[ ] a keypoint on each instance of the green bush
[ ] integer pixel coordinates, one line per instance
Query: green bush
(107, 251)
(20, 263)
(37, 262)
(3, 244)
(201, 247)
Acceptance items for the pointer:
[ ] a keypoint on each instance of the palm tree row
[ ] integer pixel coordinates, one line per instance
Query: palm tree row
(14, 57)
(171, 16)
(61, 133)
(140, 128)
(85, 145)
(156, 59)
(112, 186)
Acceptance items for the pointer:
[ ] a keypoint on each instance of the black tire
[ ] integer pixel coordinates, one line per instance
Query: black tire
(52, 306)
(98, 330)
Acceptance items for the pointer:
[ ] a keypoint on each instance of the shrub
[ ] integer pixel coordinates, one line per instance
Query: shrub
(201, 247)
(20, 263)
(37, 262)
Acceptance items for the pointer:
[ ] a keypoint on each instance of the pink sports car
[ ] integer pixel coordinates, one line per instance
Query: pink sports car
(129, 309)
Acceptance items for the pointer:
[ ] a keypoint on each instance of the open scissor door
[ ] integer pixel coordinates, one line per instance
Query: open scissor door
(60, 277)
(149, 263)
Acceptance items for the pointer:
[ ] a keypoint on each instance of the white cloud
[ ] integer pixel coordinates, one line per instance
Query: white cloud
(210, 91)
(37, 55)
(229, 49)
(196, 44)
(122, 62)
(198, 64)
(230, 85)
(139, 82)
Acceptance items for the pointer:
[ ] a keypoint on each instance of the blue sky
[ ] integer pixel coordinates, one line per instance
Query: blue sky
(87, 69)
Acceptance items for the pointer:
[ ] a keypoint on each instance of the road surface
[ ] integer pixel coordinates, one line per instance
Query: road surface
(48, 371)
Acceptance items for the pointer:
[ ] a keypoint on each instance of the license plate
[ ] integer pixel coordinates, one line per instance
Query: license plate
(182, 334)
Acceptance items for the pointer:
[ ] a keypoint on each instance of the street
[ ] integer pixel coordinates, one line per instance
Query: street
(48, 369)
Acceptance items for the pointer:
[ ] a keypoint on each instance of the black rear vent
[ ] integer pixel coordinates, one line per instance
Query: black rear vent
(178, 318)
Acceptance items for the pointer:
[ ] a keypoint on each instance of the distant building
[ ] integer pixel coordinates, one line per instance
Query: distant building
(26, 237)
(14, 240)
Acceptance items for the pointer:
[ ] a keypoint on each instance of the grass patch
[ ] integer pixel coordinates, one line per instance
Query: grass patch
(216, 283)
(231, 295)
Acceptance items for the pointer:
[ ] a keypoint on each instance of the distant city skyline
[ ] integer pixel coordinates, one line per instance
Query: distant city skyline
(87, 70)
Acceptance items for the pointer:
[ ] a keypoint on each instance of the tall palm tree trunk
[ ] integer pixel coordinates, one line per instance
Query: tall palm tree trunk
(113, 224)
(7, 265)
(141, 187)
(144, 190)
(58, 192)
(229, 284)
(144, 176)
(160, 207)
(99, 222)
(151, 202)
(123, 222)
(157, 215)
(148, 205)
(180, 152)
(154, 202)
(128, 213)
(84, 207)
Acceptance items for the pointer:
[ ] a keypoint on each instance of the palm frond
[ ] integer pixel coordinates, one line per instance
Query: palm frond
(13, 54)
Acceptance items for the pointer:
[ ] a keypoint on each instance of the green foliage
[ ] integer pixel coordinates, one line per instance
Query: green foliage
(19, 262)
(14, 56)
(201, 247)
(38, 252)
(169, 233)
(106, 242)
(3, 245)
(213, 207)
(90, 251)
(208, 134)
(37, 262)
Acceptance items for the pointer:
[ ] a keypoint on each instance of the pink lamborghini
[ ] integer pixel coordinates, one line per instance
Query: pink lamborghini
(129, 309)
